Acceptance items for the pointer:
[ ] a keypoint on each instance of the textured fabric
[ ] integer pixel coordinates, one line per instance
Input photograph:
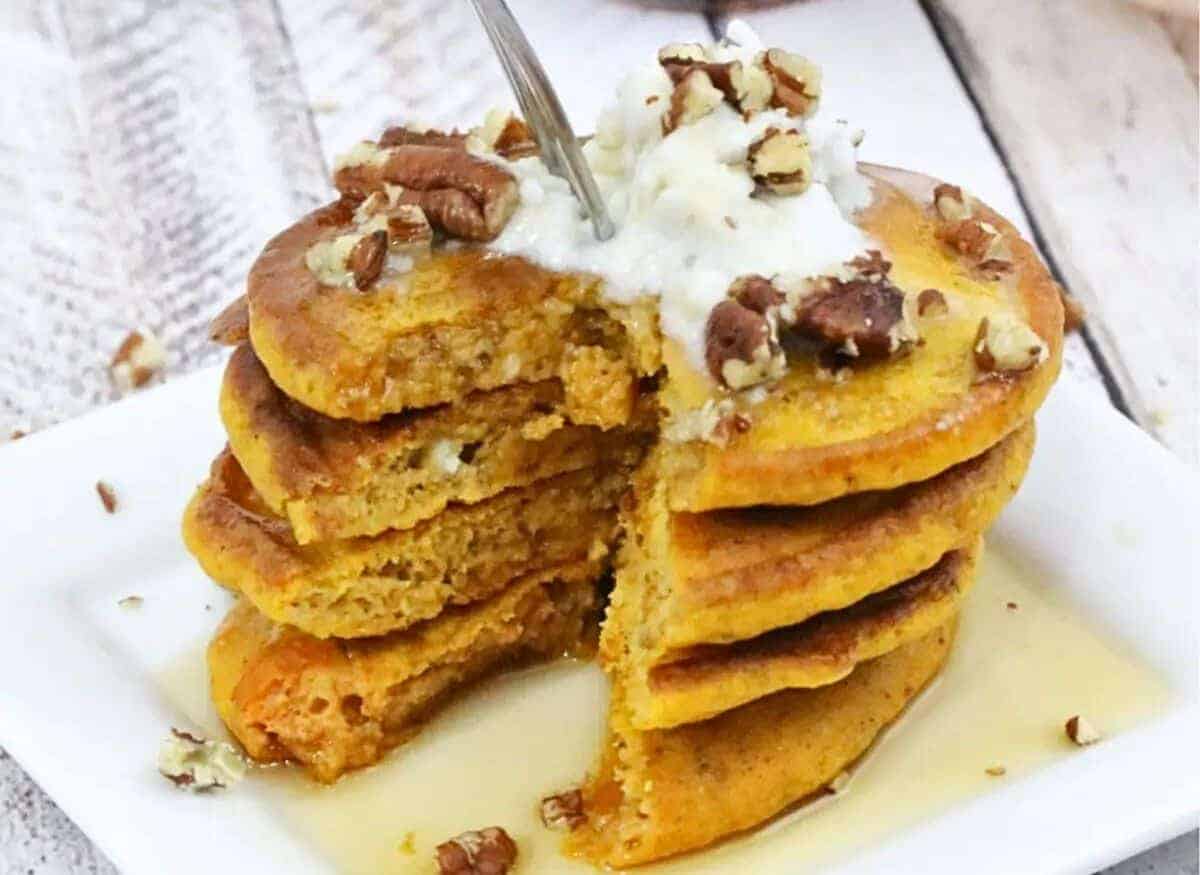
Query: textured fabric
(149, 150)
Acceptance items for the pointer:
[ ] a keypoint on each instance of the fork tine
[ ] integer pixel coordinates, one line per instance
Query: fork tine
(557, 141)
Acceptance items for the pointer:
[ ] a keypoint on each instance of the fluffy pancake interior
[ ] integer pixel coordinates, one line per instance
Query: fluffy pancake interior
(691, 579)
(709, 679)
(335, 705)
(336, 478)
(460, 322)
(662, 792)
(370, 586)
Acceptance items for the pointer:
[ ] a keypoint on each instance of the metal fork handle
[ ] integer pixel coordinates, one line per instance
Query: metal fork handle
(543, 111)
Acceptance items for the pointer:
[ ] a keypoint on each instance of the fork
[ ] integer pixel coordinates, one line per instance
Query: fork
(542, 110)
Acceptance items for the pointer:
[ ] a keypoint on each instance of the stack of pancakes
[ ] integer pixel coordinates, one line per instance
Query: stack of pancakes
(433, 477)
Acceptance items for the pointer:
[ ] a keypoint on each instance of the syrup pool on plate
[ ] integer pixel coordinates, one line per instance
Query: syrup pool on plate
(1024, 662)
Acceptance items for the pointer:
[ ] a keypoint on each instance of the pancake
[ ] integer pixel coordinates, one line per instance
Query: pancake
(893, 422)
(691, 579)
(468, 319)
(663, 792)
(709, 679)
(335, 478)
(370, 586)
(463, 321)
(339, 705)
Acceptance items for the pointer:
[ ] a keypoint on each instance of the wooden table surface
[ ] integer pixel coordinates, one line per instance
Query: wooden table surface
(1076, 118)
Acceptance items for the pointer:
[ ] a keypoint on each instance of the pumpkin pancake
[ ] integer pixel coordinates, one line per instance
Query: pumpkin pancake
(462, 321)
(708, 679)
(470, 318)
(335, 478)
(339, 705)
(373, 585)
(694, 579)
(819, 434)
(666, 791)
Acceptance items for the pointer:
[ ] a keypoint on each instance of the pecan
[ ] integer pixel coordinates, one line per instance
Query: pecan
(563, 811)
(779, 162)
(139, 357)
(859, 317)
(366, 259)
(755, 292)
(931, 302)
(461, 194)
(402, 136)
(796, 80)
(950, 202)
(693, 98)
(198, 765)
(980, 242)
(108, 497)
(408, 229)
(1004, 343)
(740, 348)
(757, 89)
(232, 325)
(488, 851)
(1081, 732)
(505, 134)
(727, 77)
(872, 265)
(680, 56)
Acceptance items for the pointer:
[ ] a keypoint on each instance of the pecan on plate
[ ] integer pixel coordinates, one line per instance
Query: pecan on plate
(489, 851)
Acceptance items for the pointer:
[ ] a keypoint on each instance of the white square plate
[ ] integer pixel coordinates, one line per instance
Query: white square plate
(1105, 527)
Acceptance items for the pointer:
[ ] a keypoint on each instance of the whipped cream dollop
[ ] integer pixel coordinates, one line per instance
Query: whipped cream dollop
(687, 215)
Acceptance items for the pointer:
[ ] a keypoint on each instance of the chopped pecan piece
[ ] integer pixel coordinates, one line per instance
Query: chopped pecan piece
(931, 303)
(1004, 343)
(488, 851)
(108, 497)
(461, 194)
(950, 202)
(871, 265)
(505, 134)
(1081, 732)
(861, 318)
(366, 259)
(693, 98)
(979, 241)
(403, 136)
(681, 55)
(757, 89)
(727, 77)
(779, 162)
(232, 325)
(139, 357)
(796, 80)
(408, 229)
(740, 347)
(756, 293)
(563, 811)
(196, 764)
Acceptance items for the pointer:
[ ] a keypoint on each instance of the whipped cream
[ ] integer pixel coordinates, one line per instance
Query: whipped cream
(687, 224)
